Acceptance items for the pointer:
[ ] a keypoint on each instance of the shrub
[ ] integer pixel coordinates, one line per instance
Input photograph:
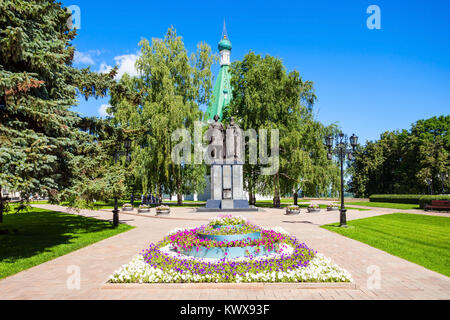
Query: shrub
(424, 200)
(419, 199)
(396, 198)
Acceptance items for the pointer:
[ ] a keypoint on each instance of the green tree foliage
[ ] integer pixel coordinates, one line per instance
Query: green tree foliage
(41, 145)
(103, 172)
(405, 162)
(265, 96)
(165, 97)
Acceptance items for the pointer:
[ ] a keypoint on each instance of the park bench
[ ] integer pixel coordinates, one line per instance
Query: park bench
(438, 205)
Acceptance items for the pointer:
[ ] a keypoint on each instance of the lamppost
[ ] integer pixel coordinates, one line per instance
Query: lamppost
(429, 182)
(340, 151)
(443, 177)
(127, 145)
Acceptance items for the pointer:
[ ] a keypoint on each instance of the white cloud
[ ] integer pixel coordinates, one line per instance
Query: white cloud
(102, 110)
(82, 57)
(104, 68)
(125, 63)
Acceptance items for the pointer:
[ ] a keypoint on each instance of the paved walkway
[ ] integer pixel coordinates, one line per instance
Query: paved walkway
(399, 279)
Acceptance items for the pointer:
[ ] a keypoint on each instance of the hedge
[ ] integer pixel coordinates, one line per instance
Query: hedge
(396, 198)
(427, 199)
(419, 199)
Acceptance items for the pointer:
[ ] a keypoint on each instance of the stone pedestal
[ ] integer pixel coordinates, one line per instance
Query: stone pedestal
(227, 186)
(225, 152)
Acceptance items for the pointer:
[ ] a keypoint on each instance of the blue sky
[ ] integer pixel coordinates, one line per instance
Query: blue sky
(367, 81)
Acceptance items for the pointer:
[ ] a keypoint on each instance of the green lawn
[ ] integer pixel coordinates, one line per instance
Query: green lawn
(418, 238)
(43, 235)
(385, 205)
(353, 208)
(301, 205)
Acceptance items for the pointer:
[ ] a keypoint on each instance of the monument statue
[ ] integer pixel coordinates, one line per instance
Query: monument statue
(225, 151)
(233, 145)
(216, 134)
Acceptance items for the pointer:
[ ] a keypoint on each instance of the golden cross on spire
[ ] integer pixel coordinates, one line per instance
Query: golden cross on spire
(224, 32)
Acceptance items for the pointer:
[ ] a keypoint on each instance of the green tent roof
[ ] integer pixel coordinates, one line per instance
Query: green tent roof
(222, 94)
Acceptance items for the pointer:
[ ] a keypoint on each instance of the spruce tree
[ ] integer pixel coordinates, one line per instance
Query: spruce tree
(40, 139)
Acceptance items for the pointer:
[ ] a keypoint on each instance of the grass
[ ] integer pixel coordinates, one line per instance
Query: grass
(421, 239)
(301, 205)
(353, 208)
(120, 202)
(402, 206)
(43, 235)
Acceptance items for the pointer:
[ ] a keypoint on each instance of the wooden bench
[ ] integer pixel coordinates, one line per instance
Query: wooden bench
(438, 205)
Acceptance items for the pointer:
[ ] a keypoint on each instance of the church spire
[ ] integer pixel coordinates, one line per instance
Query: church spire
(224, 47)
(224, 31)
(222, 90)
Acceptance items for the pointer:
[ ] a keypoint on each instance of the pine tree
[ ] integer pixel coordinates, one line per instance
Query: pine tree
(40, 140)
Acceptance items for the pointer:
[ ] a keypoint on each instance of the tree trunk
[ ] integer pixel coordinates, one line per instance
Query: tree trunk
(276, 193)
(296, 197)
(251, 197)
(159, 195)
(1, 206)
(179, 193)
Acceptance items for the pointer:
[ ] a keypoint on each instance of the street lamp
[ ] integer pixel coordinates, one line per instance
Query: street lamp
(443, 177)
(429, 182)
(341, 150)
(127, 145)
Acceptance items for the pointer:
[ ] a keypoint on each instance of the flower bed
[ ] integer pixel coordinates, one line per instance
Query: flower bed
(229, 230)
(227, 252)
(227, 220)
(127, 207)
(273, 257)
(188, 239)
(319, 269)
(313, 208)
(332, 207)
(162, 210)
(293, 209)
(144, 208)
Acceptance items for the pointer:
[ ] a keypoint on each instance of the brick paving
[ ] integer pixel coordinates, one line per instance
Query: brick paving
(399, 279)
